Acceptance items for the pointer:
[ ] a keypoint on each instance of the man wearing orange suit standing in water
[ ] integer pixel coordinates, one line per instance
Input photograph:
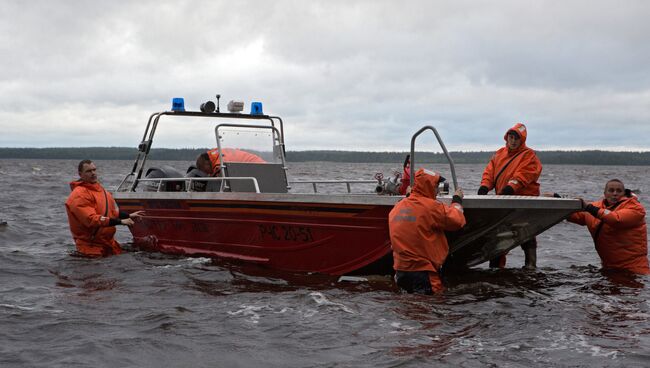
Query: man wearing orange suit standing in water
(417, 226)
(617, 225)
(514, 170)
(93, 214)
(208, 162)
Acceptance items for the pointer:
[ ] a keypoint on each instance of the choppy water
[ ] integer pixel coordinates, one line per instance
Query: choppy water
(151, 310)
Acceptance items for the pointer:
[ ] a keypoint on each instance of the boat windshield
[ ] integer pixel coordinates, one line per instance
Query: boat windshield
(176, 132)
(259, 141)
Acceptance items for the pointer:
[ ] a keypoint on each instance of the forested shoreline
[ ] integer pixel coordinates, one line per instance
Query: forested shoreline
(593, 157)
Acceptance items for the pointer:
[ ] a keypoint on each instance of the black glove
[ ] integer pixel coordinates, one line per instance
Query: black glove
(507, 190)
(593, 210)
(482, 190)
(457, 199)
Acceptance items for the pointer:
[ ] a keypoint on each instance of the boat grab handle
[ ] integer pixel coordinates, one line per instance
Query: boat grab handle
(444, 149)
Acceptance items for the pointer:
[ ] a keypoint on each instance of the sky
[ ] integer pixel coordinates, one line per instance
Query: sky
(343, 75)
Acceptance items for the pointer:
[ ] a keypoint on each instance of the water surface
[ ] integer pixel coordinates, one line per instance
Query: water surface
(151, 310)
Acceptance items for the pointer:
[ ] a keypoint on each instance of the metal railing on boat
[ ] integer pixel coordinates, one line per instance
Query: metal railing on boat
(159, 183)
(188, 181)
(444, 150)
(348, 183)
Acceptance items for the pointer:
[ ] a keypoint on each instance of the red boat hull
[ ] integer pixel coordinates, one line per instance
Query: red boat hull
(330, 238)
(329, 234)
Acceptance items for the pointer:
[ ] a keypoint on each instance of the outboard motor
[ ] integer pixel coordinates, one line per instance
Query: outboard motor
(196, 186)
(161, 173)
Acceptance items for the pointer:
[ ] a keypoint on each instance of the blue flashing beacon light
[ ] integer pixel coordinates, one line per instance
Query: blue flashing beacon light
(178, 104)
(256, 108)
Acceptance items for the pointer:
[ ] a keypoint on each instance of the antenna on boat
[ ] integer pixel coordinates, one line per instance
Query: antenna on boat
(218, 97)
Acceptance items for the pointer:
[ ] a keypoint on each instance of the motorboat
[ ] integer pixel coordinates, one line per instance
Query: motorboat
(250, 213)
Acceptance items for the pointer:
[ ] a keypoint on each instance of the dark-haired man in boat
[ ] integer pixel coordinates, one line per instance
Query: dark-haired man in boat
(417, 226)
(514, 170)
(93, 214)
(617, 225)
(208, 162)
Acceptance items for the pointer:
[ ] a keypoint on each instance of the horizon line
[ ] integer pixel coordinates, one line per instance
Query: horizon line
(341, 150)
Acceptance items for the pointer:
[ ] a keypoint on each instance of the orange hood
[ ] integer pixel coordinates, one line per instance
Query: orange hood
(426, 183)
(521, 130)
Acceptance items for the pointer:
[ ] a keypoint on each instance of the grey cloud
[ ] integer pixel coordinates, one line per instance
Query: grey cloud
(344, 75)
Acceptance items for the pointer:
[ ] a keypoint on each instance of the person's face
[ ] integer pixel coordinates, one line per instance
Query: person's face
(614, 191)
(88, 173)
(513, 141)
(205, 166)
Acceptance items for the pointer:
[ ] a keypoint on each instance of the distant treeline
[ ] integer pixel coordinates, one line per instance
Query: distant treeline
(125, 153)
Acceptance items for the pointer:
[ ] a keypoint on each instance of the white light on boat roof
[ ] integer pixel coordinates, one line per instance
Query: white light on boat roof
(235, 106)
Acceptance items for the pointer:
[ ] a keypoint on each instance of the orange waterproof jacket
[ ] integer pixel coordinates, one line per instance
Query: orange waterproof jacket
(90, 208)
(406, 179)
(522, 170)
(622, 241)
(231, 155)
(417, 225)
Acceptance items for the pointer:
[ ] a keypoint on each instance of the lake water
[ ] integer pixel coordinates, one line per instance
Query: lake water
(150, 310)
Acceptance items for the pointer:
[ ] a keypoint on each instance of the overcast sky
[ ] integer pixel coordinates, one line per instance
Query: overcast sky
(346, 75)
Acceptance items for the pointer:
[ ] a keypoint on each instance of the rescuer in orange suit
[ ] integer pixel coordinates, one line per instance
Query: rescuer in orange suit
(406, 176)
(514, 170)
(617, 225)
(417, 226)
(208, 162)
(93, 214)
